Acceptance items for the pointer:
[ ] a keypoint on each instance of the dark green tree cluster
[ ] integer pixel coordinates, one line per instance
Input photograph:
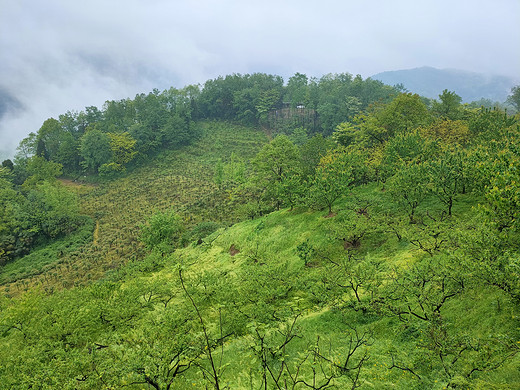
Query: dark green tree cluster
(107, 140)
(259, 99)
(245, 98)
(39, 210)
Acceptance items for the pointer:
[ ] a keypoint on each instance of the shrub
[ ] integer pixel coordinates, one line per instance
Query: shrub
(162, 231)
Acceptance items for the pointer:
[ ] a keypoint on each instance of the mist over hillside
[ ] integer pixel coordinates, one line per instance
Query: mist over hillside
(430, 82)
(8, 103)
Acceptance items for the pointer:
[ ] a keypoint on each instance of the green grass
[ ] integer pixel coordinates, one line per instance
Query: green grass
(264, 286)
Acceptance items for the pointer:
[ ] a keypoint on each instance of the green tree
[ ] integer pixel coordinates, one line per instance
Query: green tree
(339, 106)
(312, 152)
(95, 149)
(502, 191)
(404, 149)
(118, 115)
(267, 101)
(297, 90)
(334, 175)
(26, 148)
(67, 154)
(344, 134)
(366, 129)
(50, 137)
(489, 123)
(298, 136)
(447, 132)
(350, 226)
(122, 146)
(514, 97)
(13, 217)
(447, 177)
(177, 131)
(276, 170)
(245, 107)
(409, 187)
(71, 123)
(58, 143)
(40, 170)
(490, 251)
(56, 209)
(449, 106)
(90, 116)
(405, 113)
(148, 117)
(8, 164)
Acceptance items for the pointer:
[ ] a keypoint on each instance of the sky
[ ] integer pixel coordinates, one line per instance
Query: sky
(64, 55)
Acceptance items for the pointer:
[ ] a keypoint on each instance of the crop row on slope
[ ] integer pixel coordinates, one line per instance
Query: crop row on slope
(179, 179)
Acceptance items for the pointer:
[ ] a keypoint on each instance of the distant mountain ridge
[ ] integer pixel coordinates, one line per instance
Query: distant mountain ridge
(430, 82)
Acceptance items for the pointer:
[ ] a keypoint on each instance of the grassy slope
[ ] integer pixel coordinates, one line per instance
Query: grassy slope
(261, 272)
(180, 179)
(273, 239)
(270, 243)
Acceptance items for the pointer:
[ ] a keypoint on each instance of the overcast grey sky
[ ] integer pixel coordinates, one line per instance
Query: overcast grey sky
(59, 55)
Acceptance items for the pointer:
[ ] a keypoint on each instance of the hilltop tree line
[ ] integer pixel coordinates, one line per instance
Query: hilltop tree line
(123, 133)
(126, 131)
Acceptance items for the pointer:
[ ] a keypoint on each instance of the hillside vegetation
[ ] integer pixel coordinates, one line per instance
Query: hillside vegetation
(278, 257)
(178, 179)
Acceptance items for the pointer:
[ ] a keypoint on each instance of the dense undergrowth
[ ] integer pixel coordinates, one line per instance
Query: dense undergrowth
(46, 258)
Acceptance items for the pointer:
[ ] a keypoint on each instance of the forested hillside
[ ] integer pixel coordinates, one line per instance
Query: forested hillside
(103, 143)
(251, 234)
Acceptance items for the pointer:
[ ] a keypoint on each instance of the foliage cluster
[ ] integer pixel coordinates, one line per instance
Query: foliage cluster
(37, 212)
(126, 132)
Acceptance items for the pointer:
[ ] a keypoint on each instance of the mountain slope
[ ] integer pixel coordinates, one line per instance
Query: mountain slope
(268, 306)
(430, 82)
(180, 179)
